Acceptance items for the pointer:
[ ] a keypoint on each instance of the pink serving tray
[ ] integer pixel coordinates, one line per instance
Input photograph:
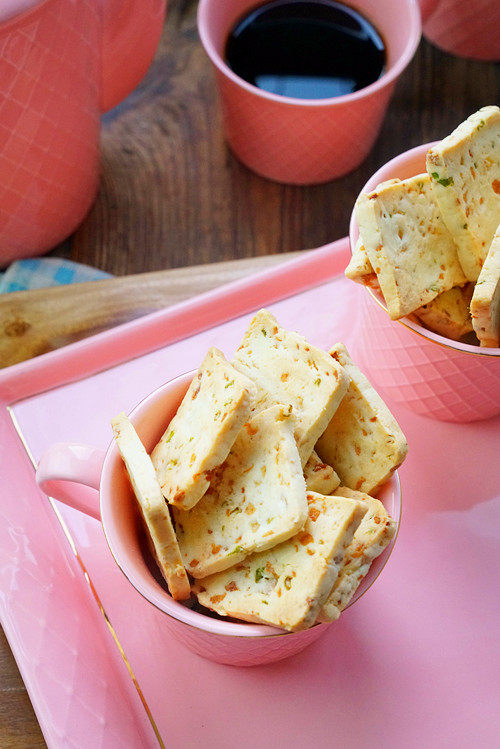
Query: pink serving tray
(415, 663)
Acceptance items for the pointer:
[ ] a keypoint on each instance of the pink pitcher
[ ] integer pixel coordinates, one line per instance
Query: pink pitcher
(62, 63)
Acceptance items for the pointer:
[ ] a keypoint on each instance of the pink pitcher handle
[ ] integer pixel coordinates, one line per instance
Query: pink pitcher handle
(427, 7)
(65, 465)
(131, 31)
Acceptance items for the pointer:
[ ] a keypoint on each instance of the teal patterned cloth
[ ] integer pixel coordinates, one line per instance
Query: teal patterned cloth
(38, 273)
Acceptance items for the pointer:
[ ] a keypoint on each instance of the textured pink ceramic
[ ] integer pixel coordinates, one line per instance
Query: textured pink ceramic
(63, 465)
(61, 64)
(306, 141)
(468, 28)
(414, 663)
(432, 375)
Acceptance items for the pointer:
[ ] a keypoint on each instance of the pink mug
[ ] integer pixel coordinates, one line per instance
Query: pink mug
(468, 28)
(64, 467)
(62, 63)
(429, 374)
(301, 141)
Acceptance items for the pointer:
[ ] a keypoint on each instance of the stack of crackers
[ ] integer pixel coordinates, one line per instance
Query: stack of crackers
(431, 243)
(258, 497)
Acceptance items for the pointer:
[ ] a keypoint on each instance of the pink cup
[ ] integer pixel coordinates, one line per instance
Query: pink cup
(468, 28)
(62, 63)
(213, 638)
(431, 375)
(300, 141)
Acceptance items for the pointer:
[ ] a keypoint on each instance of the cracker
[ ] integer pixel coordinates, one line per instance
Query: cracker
(465, 168)
(448, 314)
(286, 586)
(257, 498)
(363, 440)
(408, 244)
(199, 437)
(359, 268)
(153, 507)
(319, 476)
(485, 304)
(371, 538)
(289, 370)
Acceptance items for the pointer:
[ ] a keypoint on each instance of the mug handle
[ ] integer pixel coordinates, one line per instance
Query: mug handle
(65, 465)
(427, 7)
(131, 30)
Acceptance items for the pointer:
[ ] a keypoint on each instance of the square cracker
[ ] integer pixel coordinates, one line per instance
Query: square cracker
(287, 585)
(153, 507)
(465, 168)
(411, 250)
(320, 477)
(363, 440)
(359, 268)
(289, 370)
(202, 432)
(448, 314)
(256, 499)
(485, 304)
(374, 533)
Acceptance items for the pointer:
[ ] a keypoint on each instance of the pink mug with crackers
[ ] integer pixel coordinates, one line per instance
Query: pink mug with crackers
(249, 543)
(425, 238)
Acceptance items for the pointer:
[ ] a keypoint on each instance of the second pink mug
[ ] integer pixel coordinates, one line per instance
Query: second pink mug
(301, 141)
(426, 372)
(62, 63)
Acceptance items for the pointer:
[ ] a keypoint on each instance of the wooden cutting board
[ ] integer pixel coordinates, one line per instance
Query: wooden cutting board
(34, 322)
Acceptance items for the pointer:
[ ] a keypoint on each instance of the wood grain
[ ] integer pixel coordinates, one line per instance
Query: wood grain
(34, 322)
(19, 727)
(172, 195)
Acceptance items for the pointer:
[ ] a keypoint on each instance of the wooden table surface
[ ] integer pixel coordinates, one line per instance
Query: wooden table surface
(172, 195)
